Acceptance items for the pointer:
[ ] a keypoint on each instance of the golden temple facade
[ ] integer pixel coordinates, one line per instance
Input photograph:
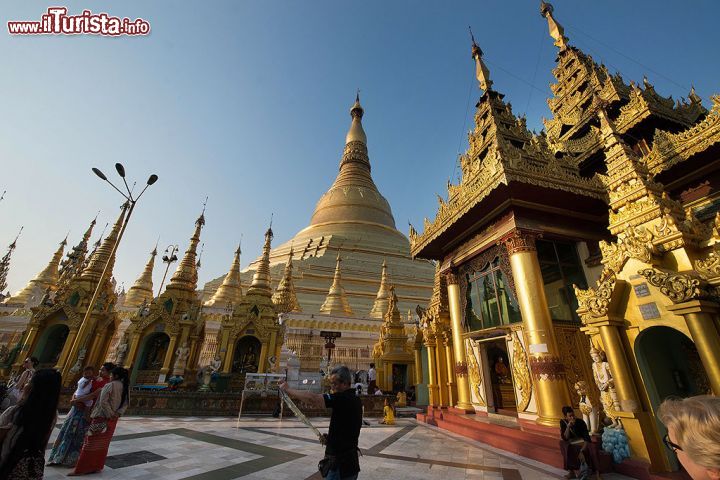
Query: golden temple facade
(583, 259)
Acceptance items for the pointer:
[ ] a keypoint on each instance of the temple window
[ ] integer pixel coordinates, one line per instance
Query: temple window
(490, 301)
(561, 269)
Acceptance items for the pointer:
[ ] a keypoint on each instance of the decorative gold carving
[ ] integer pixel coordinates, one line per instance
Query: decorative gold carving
(677, 287)
(452, 277)
(520, 241)
(547, 368)
(672, 148)
(474, 375)
(595, 302)
(710, 266)
(521, 373)
(636, 243)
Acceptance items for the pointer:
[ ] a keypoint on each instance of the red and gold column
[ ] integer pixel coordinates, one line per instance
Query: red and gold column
(543, 353)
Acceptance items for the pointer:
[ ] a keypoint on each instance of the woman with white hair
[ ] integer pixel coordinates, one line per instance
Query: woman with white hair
(694, 434)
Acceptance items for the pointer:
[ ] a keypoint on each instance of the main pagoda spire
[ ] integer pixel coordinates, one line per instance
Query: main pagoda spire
(46, 279)
(230, 292)
(336, 303)
(142, 289)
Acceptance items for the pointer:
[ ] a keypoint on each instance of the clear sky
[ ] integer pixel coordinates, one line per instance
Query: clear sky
(247, 102)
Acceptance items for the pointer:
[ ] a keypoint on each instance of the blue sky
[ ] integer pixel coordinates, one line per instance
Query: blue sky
(247, 103)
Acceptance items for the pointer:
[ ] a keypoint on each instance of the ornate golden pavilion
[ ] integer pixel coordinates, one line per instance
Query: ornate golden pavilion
(601, 232)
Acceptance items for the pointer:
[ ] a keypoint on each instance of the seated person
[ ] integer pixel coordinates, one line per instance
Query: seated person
(389, 412)
(575, 440)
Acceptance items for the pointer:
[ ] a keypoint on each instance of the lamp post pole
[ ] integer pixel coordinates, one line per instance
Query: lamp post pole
(168, 258)
(130, 202)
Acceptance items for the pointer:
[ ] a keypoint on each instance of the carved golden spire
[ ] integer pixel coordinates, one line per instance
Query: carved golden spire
(72, 265)
(186, 276)
(46, 279)
(101, 256)
(383, 295)
(142, 289)
(284, 297)
(261, 284)
(5, 262)
(231, 289)
(481, 71)
(336, 302)
(556, 30)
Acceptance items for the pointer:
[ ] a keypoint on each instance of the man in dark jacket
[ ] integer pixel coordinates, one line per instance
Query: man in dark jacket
(574, 441)
(341, 448)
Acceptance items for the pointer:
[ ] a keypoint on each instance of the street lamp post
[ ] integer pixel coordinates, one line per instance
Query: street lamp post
(130, 205)
(168, 258)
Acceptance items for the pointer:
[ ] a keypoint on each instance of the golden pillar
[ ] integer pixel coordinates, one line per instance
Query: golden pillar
(543, 353)
(132, 351)
(25, 349)
(433, 395)
(418, 366)
(67, 346)
(441, 365)
(229, 351)
(168, 359)
(263, 358)
(699, 318)
(616, 357)
(452, 390)
(461, 370)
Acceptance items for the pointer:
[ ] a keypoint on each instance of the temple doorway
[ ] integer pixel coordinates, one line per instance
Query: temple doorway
(399, 377)
(503, 391)
(670, 367)
(51, 345)
(247, 355)
(151, 358)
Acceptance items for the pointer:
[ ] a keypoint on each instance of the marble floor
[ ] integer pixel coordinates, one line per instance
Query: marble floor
(145, 448)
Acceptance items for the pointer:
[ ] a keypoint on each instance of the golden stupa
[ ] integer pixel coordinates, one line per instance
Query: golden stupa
(354, 221)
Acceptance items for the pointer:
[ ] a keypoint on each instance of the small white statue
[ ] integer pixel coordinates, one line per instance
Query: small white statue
(121, 351)
(78, 364)
(589, 412)
(181, 356)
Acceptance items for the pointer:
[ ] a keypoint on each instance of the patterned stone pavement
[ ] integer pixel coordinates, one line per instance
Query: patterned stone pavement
(147, 448)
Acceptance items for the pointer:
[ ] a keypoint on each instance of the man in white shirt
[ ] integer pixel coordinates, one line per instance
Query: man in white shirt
(372, 379)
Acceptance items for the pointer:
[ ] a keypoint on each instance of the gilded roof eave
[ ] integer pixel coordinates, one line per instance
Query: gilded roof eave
(670, 149)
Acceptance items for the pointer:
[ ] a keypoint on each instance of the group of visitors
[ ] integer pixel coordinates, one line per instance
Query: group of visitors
(84, 438)
(693, 426)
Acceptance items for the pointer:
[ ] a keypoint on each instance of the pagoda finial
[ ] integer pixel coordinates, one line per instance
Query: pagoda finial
(75, 259)
(186, 276)
(142, 290)
(46, 279)
(101, 255)
(284, 298)
(336, 302)
(557, 32)
(383, 295)
(261, 283)
(230, 291)
(356, 132)
(481, 71)
(5, 262)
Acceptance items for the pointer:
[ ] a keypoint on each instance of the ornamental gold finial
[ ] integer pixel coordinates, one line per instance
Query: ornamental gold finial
(481, 71)
(356, 132)
(557, 32)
